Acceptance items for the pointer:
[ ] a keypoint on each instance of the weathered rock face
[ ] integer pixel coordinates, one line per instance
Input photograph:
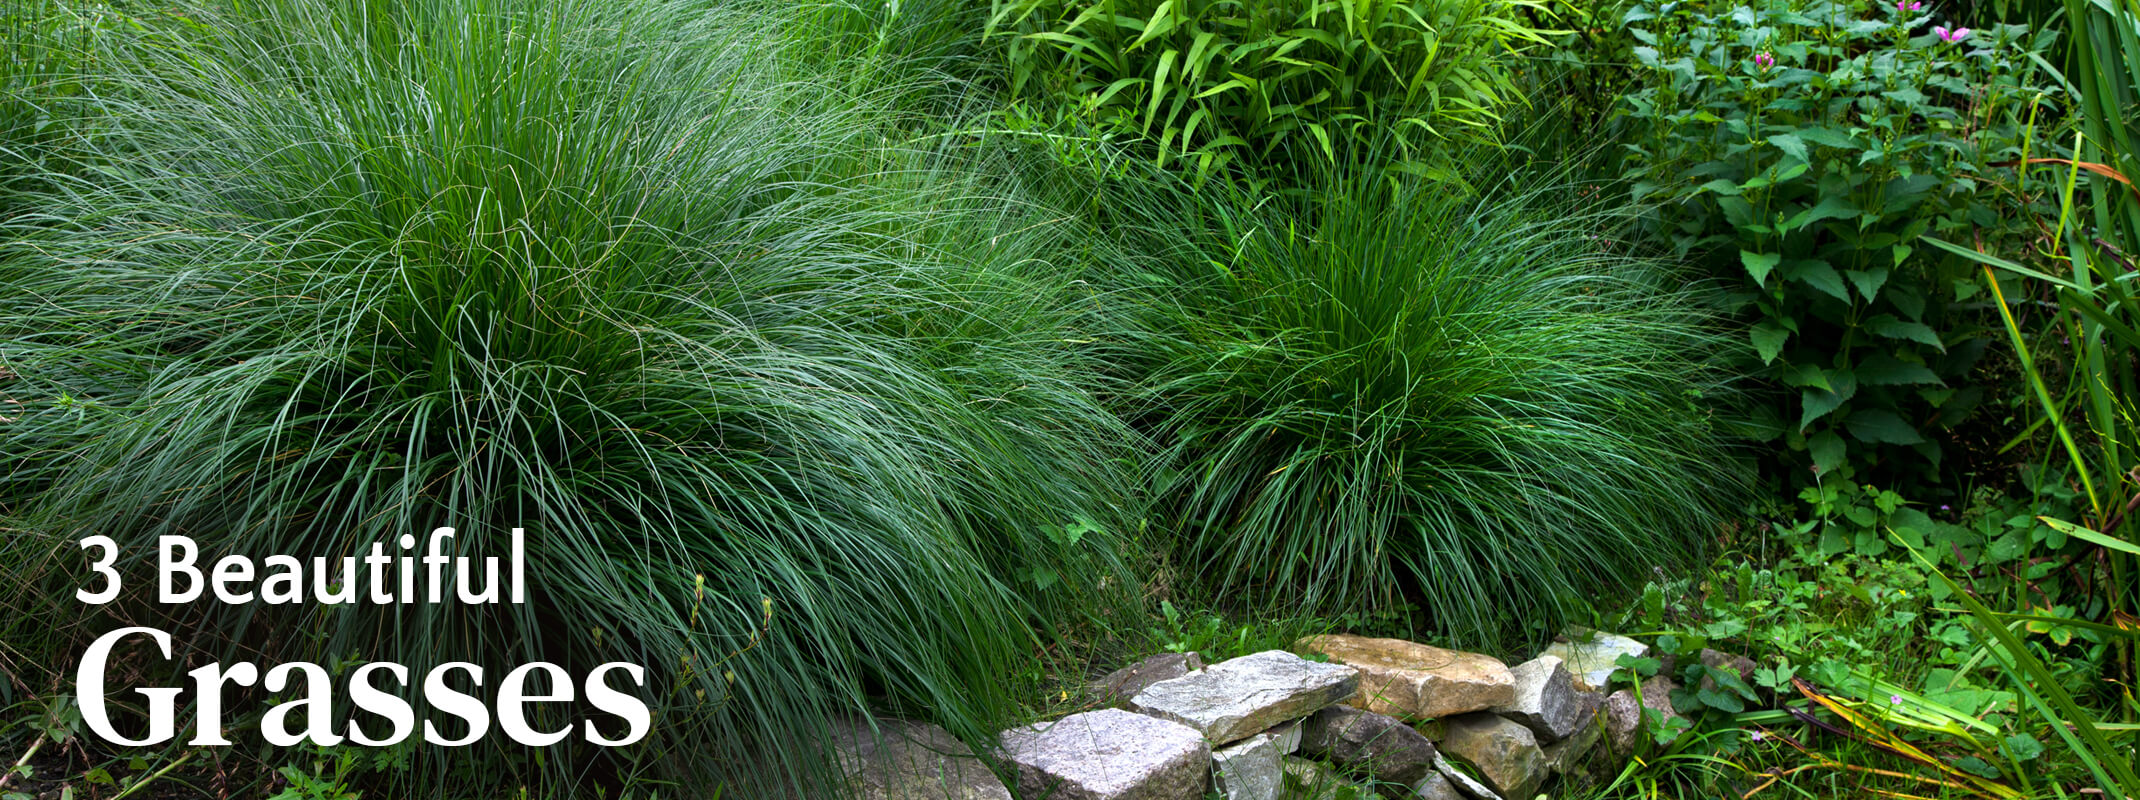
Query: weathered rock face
(1408, 679)
(1505, 753)
(1240, 697)
(1567, 754)
(1592, 656)
(1623, 714)
(1366, 741)
(1109, 754)
(1436, 786)
(1251, 769)
(1546, 700)
(1125, 683)
(904, 760)
(1466, 784)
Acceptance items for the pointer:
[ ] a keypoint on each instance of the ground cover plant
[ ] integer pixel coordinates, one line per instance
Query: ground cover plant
(781, 407)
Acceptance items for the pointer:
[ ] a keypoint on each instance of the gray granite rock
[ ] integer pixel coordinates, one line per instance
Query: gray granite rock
(1240, 697)
(1592, 656)
(1368, 742)
(1253, 768)
(1288, 735)
(1470, 786)
(1436, 786)
(1505, 753)
(1546, 700)
(1123, 684)
(903, 760)
(1567, 754)
(1407, 679)
(1109, 754)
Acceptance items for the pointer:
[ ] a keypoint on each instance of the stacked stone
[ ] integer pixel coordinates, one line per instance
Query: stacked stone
(1176, 729)
(1229, 726)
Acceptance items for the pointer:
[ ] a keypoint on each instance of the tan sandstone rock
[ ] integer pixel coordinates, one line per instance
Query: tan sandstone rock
(1408, 679)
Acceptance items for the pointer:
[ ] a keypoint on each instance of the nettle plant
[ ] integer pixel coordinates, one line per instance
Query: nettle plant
(1805, 149)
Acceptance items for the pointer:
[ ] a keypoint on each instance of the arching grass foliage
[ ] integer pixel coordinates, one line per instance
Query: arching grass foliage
(1479, 405)
(784, 408)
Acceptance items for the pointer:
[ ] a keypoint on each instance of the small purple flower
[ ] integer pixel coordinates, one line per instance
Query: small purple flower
(1894, 699)
(1764, 61)
(1948, 36)
(1758, 736)
(1945, 507)
(1907, 6)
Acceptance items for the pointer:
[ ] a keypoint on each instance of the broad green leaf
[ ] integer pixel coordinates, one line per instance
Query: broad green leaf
(1759, 265)
(1816, 404)
(1887, 325)
(1868, 281)
(1881, 369)
(1790, 144)
(1828, 137)
(1881, 425)
(1162, 21)
(1833, 206)
(1819, 275)
(1768, 338)
(1827, 449)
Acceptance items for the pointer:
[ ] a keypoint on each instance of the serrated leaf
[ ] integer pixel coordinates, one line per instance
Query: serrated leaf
(1887, 325)
(1833, 206)
(1868, 281)
(1827, 137)
(1882, 369)
(1827, 449)
(1881, 425)
(1815, 404)
(1790, 144)
(1759, 265)
(1819, 275)
(1768, 338)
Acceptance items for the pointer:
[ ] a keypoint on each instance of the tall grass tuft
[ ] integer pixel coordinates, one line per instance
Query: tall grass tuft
(784, 409)
(1481, 407)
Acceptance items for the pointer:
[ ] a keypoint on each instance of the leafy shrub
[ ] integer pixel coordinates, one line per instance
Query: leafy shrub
(1479, 407)
(784, 411)
(1212, 82)
(1806, 148)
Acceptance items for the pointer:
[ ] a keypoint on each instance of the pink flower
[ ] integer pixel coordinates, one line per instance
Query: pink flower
(1907, 6)
(1764, 61)
(1948, 36)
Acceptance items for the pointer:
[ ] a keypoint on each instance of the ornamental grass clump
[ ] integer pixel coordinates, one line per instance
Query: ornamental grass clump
(787, 412)
(1481, 407)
